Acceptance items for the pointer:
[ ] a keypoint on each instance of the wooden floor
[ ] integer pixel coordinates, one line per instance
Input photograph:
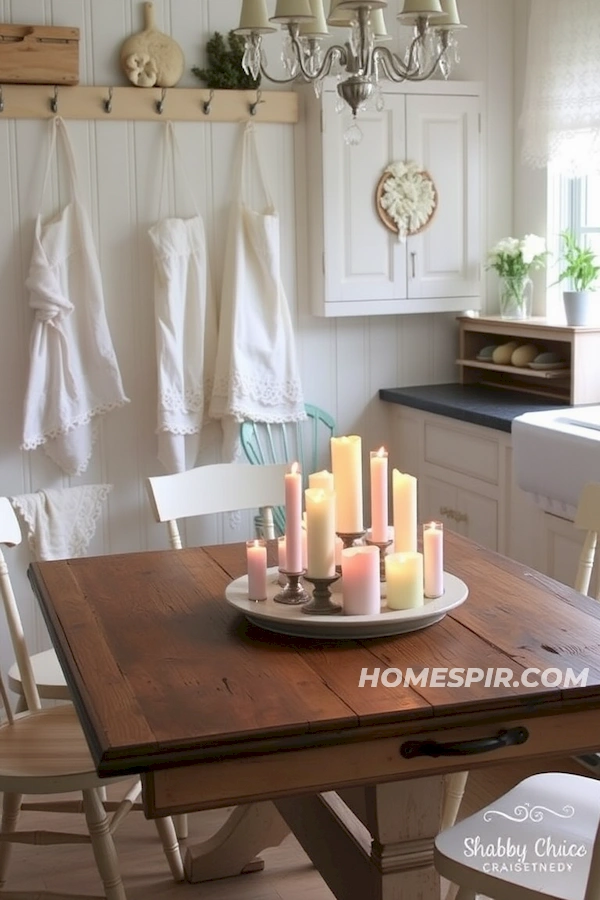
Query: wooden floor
(288, 873)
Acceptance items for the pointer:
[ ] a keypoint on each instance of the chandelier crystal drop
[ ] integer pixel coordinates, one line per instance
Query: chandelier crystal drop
(362, 60)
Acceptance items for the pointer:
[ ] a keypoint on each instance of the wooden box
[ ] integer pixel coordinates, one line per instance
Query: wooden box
(39, 54)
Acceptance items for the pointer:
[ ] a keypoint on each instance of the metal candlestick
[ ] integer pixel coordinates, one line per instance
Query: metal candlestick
(383, 545)
(293, 593)
(321, 603)
(349, 538)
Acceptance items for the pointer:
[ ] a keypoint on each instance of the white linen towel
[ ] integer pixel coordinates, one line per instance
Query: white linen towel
(186, 326)
(73, 373)
(256, 372)
(61, 523)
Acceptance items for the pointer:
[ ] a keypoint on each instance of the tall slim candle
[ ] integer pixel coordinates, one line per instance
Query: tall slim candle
(404, 493)
(379, 496)
(433, 558)
(256, 557)
(323, 480)
(320, 533)
(346, 463)
(293, 519)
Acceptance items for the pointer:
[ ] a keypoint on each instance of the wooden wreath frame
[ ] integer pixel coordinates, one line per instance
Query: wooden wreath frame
(384, 216)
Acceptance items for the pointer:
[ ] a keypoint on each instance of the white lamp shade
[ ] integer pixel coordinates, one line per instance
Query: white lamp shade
(318, 27)
(378, 26)
(340, 18)
(450, 19)
(413, 9)
(254, 17)
(292, 11)
(371, 4)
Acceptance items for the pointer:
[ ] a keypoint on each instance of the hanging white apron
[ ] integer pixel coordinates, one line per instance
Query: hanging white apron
(186, 326)
(256, 375)
(73, 373)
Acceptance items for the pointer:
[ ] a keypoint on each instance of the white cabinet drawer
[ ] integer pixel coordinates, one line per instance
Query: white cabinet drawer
(462, 451)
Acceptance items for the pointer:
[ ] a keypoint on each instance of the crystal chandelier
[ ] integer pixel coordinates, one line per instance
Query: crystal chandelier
(362, 60)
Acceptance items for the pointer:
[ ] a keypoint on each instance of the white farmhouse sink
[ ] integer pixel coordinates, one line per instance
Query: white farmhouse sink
(555, 453)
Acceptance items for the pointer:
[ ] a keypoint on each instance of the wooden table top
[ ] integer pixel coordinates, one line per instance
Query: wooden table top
(163, 671)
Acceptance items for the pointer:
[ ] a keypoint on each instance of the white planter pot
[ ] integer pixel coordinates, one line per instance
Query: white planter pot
(582, 307)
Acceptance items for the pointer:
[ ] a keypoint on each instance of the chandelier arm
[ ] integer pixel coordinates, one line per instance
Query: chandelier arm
(333, 53)
(397, 70)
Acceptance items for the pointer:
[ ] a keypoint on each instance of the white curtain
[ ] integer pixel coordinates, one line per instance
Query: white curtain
(561, 107)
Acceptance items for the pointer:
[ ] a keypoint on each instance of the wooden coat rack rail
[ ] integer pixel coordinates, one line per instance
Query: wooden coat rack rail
(41, 101)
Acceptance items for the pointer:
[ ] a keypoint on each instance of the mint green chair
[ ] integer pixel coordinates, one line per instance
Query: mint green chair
(306, 442)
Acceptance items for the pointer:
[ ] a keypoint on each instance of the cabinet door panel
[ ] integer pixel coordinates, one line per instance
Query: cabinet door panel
(361, 261)
(478, 518)
(437, 501)
(443, 138)
(562, 547)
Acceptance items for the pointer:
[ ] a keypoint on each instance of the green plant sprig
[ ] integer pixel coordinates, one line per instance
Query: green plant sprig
(580, 263)
(224, 68)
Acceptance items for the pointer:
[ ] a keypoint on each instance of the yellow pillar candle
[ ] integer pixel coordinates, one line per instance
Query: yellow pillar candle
(404, 580)
(323, 480)
(404, 499)
(320, 533)
(346, 463)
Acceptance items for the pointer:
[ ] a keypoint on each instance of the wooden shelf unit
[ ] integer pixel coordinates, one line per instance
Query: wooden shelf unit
(576, 384)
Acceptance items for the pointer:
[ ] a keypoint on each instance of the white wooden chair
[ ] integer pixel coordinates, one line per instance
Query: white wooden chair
(551, 810)
(44, 751)
(587, 519)
(220, 488)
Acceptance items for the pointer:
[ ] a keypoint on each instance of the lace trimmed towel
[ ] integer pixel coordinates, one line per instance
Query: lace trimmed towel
(61, 523)
(186, 327)
(256, 374)
(73, 372)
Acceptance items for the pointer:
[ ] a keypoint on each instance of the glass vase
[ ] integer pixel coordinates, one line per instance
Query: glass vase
(516, 296)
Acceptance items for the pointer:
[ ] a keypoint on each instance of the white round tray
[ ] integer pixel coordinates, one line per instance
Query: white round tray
(292, 621)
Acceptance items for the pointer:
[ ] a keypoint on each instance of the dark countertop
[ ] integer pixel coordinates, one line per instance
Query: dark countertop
(478, 404)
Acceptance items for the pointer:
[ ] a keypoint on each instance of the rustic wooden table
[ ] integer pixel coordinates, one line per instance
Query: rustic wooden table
(173, 683)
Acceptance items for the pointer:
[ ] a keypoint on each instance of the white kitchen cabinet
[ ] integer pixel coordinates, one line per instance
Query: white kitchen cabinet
(465, 511)
(358, 266)
(561, 547)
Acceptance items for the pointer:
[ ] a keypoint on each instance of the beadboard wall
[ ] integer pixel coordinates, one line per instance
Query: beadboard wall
(344, 362)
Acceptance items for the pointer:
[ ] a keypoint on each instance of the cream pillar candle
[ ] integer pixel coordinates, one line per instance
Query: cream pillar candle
(404, 580)
(320, 533)
(404, 498)
(433, 558)
(339, 546)
(361, 587)
(346, 463)
(323, 480)
(379, 496)
(256, 558)
(293, 519)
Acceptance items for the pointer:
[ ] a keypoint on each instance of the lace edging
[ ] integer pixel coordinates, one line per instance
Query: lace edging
(83, 419)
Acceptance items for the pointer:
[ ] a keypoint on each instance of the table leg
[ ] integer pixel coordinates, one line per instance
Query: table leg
(377, 842)
(232, 849)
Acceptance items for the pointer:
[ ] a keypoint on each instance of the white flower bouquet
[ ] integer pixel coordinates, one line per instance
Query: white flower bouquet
(517, 257)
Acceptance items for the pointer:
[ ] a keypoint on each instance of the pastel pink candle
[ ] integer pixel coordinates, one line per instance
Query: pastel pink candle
(361, 588)
(379, 496)
(433, 558)
(256, 557)
(293, 519)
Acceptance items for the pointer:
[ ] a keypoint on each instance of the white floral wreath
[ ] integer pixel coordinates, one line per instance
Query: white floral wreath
(406, 197)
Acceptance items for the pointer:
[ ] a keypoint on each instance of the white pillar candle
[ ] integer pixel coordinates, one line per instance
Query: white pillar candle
(256, 558)
(361, 588)
(404, 498)
(379, 496)
(346, 463)
(320, 533)
(404, 580)
(293, 519)
(339, 546)
(433, 558)
(323, 480)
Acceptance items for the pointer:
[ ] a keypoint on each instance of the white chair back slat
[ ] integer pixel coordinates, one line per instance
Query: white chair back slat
(587, 518)
(10, 534)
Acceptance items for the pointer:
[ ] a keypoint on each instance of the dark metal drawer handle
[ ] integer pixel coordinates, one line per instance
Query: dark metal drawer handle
(505, 738)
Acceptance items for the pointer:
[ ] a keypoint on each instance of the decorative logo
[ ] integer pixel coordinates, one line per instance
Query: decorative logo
(524, 811)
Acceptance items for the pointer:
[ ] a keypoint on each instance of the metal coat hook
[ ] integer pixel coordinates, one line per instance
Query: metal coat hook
(253, 107)
(54, 101)
(108, 101)
(1, 100)
(160, 104)
(206, 106)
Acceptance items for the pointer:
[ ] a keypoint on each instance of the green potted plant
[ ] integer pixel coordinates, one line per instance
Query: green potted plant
(581, 269)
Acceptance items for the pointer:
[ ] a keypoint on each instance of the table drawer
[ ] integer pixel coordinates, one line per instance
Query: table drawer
(462, 451)
(280, 774)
